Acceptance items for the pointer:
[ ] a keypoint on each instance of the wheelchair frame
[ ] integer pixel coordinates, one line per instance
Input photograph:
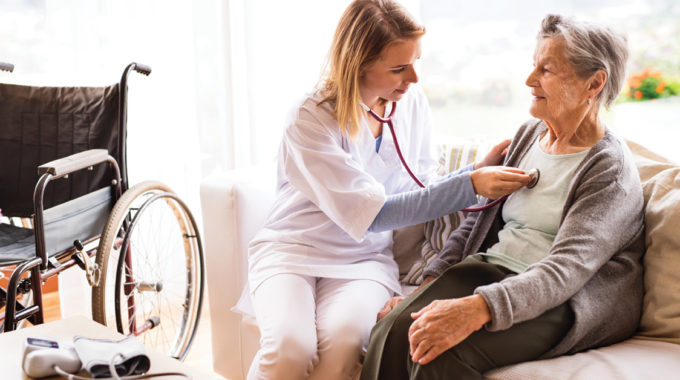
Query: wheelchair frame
(41, 267)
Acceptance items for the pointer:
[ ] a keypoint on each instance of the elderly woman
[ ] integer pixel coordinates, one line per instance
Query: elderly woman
(554, 270)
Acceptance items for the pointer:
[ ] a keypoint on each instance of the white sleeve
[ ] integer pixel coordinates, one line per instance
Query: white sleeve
(316, 165)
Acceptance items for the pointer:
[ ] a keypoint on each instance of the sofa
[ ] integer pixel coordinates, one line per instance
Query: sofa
(235, 205)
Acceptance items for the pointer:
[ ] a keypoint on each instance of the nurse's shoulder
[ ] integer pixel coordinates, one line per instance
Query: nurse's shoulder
(309, 116)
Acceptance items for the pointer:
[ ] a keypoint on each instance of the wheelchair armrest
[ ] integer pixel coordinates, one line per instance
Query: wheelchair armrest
(74, 162)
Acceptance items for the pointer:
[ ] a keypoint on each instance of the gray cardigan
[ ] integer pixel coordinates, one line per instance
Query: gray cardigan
(595, 260)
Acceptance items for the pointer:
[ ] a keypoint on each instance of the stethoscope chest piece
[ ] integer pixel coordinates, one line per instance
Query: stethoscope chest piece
(535, 175)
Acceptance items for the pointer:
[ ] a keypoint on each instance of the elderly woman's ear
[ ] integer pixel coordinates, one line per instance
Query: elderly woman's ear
(596, 83)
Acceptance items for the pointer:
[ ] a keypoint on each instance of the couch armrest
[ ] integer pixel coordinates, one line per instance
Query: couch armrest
(234, 206)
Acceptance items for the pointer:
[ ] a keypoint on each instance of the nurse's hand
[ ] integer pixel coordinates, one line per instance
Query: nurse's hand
(391, 304)
(394, 301)
(443, 324)
(493, 182)
(495, 155)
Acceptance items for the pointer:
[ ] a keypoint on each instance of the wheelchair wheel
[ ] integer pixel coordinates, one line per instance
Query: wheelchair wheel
(151, 261)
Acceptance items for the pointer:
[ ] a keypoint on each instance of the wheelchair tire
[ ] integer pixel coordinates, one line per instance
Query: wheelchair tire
(151, 261)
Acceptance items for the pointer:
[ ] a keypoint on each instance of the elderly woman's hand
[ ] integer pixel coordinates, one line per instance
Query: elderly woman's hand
(443, 324)
(495, 155)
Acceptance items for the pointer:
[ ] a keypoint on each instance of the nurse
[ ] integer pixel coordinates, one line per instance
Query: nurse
(321, 268)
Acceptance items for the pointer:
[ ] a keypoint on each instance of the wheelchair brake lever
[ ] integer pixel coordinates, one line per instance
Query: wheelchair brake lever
(92, 271)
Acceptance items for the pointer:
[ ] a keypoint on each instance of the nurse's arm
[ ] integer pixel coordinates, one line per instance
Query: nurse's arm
(418, 206)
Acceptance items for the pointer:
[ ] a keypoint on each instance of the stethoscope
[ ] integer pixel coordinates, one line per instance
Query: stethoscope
(535, 174)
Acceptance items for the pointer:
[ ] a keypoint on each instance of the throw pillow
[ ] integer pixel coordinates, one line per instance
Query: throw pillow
(661, 187)
(406, 247)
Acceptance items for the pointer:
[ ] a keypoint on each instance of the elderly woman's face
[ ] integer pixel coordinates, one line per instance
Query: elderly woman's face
(556, 88)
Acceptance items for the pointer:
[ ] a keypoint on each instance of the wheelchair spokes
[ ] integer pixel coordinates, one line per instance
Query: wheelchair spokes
(153, 268)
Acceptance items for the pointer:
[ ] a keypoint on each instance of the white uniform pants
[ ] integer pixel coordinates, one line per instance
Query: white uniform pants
(313, 327)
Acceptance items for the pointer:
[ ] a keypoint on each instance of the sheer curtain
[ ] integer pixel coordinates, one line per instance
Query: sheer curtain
(277, 50)
(88, 43)
(225, 72)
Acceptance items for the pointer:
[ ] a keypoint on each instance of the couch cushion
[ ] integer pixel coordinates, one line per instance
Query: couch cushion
(630, 359)
(406, 248)
(452, 156)
(661, 306)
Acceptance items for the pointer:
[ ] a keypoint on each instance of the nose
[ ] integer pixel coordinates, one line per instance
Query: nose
(412, 76)
(531, 79)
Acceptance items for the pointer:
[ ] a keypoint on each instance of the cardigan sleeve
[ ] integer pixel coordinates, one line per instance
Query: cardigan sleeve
(602, 218)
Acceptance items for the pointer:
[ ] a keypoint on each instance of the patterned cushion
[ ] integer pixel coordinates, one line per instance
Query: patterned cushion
(452, 156)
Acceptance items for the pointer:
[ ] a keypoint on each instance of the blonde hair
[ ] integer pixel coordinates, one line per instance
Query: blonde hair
(365, 29)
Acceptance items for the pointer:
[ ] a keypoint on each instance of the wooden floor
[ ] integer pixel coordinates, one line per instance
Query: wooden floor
(51, 306)
(200, 355)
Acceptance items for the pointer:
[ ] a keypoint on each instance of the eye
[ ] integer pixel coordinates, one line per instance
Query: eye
(398, 70)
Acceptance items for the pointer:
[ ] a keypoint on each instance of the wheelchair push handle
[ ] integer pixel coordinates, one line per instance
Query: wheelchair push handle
(4, 66)
(142, 68)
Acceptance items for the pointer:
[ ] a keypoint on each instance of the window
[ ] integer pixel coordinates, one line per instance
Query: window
(89, 43)
(476, 57)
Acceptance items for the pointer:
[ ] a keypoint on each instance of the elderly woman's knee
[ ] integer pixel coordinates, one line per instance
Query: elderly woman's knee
(455, 363)
(396, 325)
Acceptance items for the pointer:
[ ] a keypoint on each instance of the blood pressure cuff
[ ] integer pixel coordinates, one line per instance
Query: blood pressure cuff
(127, 356)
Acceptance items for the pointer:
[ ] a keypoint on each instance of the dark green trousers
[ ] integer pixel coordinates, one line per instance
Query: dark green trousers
(388, 355)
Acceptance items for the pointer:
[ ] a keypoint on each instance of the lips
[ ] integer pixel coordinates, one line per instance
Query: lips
(401, 91)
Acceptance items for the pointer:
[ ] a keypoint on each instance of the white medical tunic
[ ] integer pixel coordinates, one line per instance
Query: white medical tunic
(330, 189)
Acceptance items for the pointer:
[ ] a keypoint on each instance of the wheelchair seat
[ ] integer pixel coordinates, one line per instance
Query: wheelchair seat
(17, 244)
(82, 218)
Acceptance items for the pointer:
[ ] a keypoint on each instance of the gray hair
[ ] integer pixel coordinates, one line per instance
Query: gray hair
(589, 48)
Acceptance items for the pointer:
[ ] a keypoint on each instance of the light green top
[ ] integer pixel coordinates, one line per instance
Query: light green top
(532, 216)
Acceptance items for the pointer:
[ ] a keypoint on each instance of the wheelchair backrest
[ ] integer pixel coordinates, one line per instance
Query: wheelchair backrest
(41, 124)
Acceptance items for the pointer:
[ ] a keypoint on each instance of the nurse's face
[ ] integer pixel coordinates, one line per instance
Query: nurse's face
(390, 76)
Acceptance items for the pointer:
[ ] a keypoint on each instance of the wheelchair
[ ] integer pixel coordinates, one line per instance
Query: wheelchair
(65, 202)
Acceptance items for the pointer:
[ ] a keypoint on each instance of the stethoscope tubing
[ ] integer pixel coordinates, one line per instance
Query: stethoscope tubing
(388, 121)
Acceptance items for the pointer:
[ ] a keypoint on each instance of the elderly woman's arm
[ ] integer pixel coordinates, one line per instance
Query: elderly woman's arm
(605, 217)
